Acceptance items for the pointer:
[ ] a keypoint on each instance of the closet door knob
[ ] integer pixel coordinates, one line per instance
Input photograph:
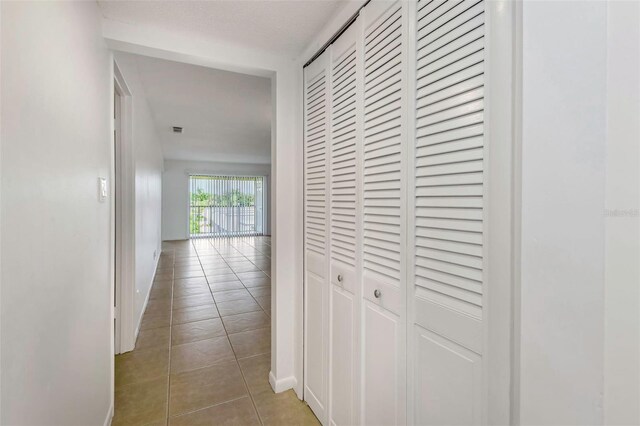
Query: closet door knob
(377, 293)
(339, 278)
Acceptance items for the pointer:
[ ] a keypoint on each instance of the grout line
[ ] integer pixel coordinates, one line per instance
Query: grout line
(209, 406)
(237, 359)
(227, 334)
(170, 337)
(247, 288)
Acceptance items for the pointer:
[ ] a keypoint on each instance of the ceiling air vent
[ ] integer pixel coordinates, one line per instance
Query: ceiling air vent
(177, 129)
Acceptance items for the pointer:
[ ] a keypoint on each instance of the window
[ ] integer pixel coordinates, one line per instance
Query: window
(225, 206)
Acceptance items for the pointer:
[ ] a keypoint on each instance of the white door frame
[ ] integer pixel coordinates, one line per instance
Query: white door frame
(285, 193)
(124, 235)
(502, 228)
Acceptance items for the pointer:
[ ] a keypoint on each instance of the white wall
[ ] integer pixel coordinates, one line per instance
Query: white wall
(56, 360)
(175, 191)
(563, 194)
(622, 273)
(148, 163)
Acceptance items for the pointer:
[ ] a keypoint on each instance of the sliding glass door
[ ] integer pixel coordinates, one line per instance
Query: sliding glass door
(226, 206)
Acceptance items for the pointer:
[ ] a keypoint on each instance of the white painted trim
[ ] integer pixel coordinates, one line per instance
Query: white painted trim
(502, 211)
(126, 297)
(517, 214)
(281, 385)
(112, 249)
(109, 418)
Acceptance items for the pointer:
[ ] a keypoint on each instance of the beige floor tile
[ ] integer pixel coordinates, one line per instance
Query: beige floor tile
(248, 268)
(189, 281)
(203, 353)
(163, 284)
(195, 313)
(150, 322)
(141, 403)
(225, 296)
(141, 365)
(158, 306)
(251, 275)
(221, 278)
(233, 413)
(257, 282)
(195, 300)
(214, 391)
(182, 291)
(198, 330)
(165, 275)
(213, 262)
(249, 343)
(217, 271)
(262, 264)
(235, 307)
(256, 370)
(258, 258)
(155, 320)
(188, 274)
(189, 251)
(188, 268)
(211, 257)
(264, 302)
(225, 286)
(162, 422)
(186, 261)
(260, 291)
(193, 390)
(153, 337)
(245, 322)
(160, 293)
(283, 409)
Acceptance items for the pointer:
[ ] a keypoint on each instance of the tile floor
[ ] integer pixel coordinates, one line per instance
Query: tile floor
(203, 351)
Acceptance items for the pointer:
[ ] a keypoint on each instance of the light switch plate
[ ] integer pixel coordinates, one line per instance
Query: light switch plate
(102, 189)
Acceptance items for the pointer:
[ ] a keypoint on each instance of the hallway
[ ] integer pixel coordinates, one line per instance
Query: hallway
(203, 351)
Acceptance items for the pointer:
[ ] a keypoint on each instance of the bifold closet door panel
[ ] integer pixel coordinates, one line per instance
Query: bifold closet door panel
(316, 233)
(384, 213)
(448, 206)
(345, 146)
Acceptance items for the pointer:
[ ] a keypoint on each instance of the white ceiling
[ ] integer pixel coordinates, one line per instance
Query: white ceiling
(281, 27)
(226, 116)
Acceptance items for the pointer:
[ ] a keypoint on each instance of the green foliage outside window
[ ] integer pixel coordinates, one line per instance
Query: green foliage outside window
(233, 198)
(200, 198)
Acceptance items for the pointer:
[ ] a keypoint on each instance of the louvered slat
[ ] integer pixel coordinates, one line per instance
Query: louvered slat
(449, 151)
(382, 151)
(343, 157)
(316, 164)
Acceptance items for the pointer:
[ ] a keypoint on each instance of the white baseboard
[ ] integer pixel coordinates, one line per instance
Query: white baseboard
(107, 421)
(281, 385)
(146, 299)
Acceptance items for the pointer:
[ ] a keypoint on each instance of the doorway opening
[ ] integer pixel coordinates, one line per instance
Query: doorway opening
(226, 206)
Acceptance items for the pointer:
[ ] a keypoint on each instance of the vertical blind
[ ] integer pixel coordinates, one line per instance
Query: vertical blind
(226, 206)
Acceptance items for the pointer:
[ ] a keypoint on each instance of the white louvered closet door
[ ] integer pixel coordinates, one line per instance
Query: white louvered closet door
(447, 292)
(316, 230)
(384, 211)
(346, 141)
